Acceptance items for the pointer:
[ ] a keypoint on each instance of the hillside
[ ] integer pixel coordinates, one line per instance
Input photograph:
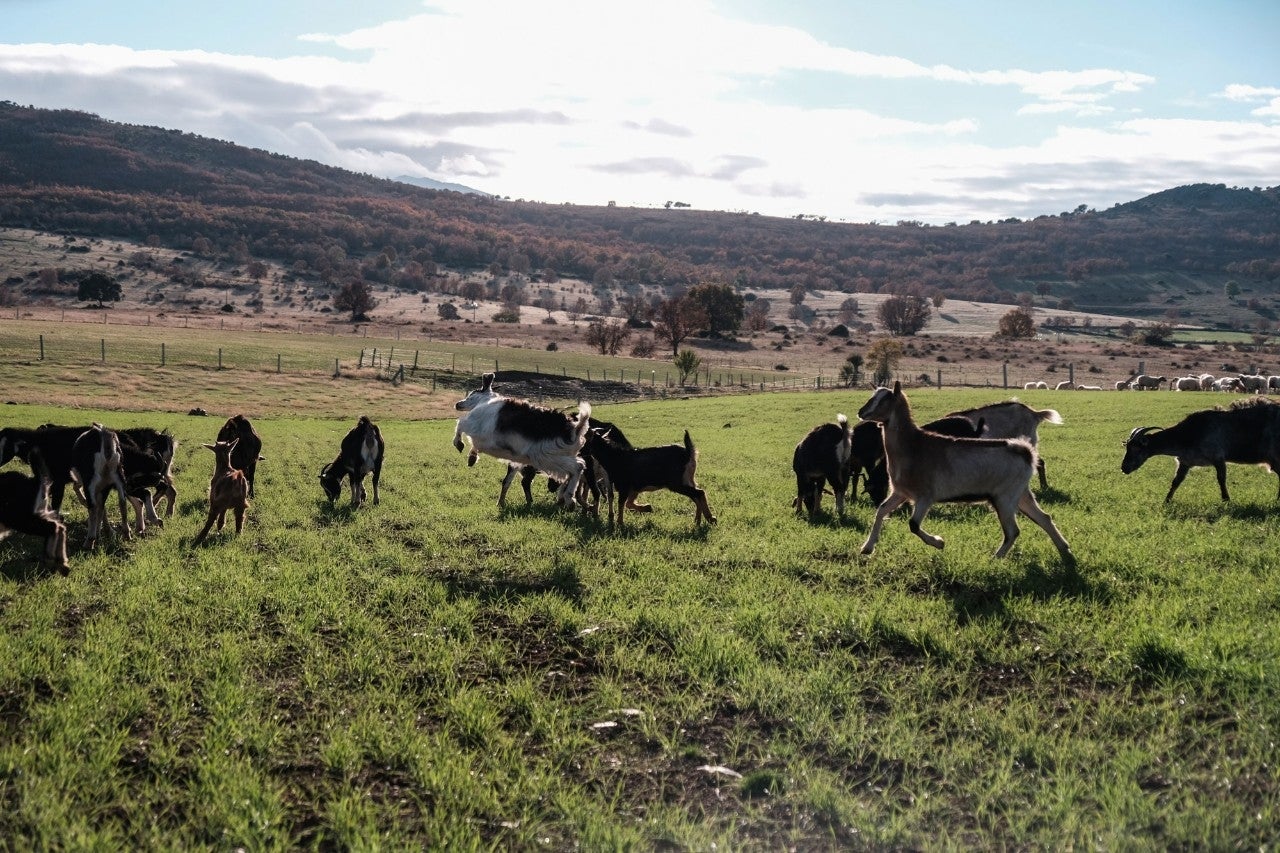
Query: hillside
(77, 174)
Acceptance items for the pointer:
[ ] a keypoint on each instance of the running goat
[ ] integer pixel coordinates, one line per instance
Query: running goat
(927, 468)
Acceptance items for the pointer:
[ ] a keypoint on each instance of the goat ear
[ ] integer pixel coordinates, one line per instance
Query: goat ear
(897, 388)
(488, 382)
(211, 447)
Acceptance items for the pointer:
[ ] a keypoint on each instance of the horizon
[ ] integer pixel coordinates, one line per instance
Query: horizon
(824, 110)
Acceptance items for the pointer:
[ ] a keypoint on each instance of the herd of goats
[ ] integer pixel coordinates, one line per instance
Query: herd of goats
(987, 454)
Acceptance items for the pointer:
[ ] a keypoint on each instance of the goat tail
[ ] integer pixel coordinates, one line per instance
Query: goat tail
(688, 444)
(1050, 416)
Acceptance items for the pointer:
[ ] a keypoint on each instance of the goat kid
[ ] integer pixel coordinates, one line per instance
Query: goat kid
(518, 431)
(228, 490)
(820, 458)
(927, 468)
(647, 469)
(97, 463)
(594, 481)
(360, 454)
(24, 508)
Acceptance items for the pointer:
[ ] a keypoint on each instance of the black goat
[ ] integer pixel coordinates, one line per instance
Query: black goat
(248, 449)
(822, 458)
(54, 444)
(632, 471)
(147, 456)
(361, 453)
(1247, 433)
(24, 508)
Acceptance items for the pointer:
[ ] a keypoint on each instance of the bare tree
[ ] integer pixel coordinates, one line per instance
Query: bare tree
(905, 315)
(607, 336)
(674, 321)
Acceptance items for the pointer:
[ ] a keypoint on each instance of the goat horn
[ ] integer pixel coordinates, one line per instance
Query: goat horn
(1140, 431)
(325, 469)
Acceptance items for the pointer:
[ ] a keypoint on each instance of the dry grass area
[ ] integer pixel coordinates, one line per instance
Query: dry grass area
(956, 348)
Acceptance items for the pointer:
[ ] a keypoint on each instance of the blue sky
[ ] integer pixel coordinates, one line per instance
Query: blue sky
(857, 111)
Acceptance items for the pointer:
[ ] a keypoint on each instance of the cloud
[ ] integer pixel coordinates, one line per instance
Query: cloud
(659, 126)
(1254, 94)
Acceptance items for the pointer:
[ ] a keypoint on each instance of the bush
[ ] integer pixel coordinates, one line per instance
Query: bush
(507, 315)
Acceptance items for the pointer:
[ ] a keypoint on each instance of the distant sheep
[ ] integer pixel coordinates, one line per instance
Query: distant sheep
(1254, 383)
(1065, 385)
(1122, 385)
(1143, 382)
(1186, 383)
(1033, 386)
(1088, 387)
(1206, 381)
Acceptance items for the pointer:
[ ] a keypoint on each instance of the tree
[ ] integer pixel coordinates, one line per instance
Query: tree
(849, 311)
(355, 296)
(674, 321)
(720, 304)
(101, 287)
(1017, 324)
(851, 369)
(687, 363)
(607, 337)
(905, 315)
(758, 315)
(883, 356)
(447, 311)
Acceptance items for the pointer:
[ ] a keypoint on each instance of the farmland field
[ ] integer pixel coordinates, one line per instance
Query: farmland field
(436, 672)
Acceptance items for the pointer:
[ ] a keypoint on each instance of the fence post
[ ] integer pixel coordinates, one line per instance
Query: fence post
(42, 347)
(1004, 371)
(219, 358)
(939, 378)
(162, 355)
(335, 368)
(103, 344)
(277, 362)
(1071, 372)
(361, 363)
(415, 362)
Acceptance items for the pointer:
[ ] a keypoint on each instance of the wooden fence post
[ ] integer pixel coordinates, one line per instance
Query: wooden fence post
(277, 362)
(42, 347)
(162, 354)
(219, 358)
(103, 344)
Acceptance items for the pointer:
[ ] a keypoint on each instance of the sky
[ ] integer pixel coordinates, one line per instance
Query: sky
(851, 110)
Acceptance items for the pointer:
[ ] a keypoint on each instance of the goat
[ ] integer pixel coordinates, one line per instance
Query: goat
(248, 447)
(926, 468)
(822, 457)
(635, 470)
(148, 467)
(1185, 383)
(24, 508)
(228, 490)
(1012, 419)
(518, 431)
(1143, 382)
(1248, 433)
(360, 454)
(54, 444)
(97, 464)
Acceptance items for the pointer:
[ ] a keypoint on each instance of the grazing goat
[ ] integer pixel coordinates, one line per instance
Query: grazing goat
(228, 490)
(635, 470)
(24, 508)
(1248, 433)
(927, 468)
(1012, 419)
(820, 458)
(360, 454)
(518, 431)
(97, 463)
(248, 449)
(1143, 382)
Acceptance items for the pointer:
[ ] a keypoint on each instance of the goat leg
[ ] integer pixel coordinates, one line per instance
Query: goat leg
(1028, 506)
(917, 516)
(1221, 468)
(890, 504)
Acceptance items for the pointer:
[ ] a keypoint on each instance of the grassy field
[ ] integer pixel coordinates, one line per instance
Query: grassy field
(434, 672)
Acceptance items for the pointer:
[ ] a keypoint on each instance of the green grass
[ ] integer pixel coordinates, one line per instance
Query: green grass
(434, 672)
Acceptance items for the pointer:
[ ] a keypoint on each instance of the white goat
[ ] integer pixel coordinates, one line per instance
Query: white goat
(518, 431)
(926, 468)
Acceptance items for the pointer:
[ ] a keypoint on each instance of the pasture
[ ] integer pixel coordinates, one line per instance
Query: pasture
(436, 672)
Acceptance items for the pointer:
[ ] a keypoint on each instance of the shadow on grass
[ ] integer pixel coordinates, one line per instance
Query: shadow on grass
(558, 578)
(1234, 511)
(985, 600)
(1049, 496)
(332, 513)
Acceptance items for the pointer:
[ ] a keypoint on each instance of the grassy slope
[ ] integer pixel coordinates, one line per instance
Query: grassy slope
(435, 672)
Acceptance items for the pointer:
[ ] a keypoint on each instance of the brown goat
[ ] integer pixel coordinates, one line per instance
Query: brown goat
(228, 490)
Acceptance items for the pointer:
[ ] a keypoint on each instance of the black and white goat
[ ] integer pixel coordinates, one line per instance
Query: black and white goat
(519, 431)
(1012, 419)
(1248, 432)
(24, 508)
(248, 448)
(927, 468)
(822, 458)
(594, 481)
(360, 454)
(647, 469)
(97, 463)
(54, 444)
